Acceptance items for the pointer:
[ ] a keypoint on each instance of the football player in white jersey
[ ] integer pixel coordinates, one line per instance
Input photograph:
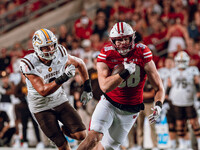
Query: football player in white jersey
(184, 87)
(46, 70)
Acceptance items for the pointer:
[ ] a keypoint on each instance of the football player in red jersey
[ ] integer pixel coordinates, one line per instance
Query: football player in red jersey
(122, 100)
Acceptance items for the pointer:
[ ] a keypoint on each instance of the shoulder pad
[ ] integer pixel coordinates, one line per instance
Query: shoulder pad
(194, 70)
(27, 64)
(62, 50)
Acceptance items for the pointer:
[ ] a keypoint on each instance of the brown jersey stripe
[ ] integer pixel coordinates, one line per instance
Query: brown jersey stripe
(26, 64)
(29, 63)
(60, 50)
(64, 50)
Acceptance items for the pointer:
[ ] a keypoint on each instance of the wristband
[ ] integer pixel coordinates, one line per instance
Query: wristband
(124, 74)
(168, 90)
(60, 80)
(198, 99)
(159, 103)
(197, 87)
(87, 86)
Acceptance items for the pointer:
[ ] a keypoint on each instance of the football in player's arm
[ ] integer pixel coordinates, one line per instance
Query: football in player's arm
(122, 97)
(46, 70)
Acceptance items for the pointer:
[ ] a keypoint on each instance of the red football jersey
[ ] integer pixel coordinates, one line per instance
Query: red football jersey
(130, 92)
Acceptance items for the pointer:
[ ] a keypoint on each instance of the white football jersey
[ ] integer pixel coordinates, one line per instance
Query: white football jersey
(164, 75)
(183, 90)
(31, 64)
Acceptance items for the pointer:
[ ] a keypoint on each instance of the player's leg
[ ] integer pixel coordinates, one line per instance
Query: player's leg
(140, 129)
(72, 122)
(148, 112)
(102, 119)
(49, 125)
(180, 125)
(119, 129)
(193, 119)
(171, 120)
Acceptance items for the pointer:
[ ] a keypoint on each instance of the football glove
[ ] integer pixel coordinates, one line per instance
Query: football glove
(2, 90)
(130, 67)
(70, 71)
(87, 95)
(155, 115)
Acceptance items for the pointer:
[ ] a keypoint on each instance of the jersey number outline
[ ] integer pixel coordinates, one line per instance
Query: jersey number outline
(133, 80)
(182, 82)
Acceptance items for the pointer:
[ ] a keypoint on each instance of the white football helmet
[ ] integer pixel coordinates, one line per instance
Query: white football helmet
(182, 60)
(44, 37)
(122, 30)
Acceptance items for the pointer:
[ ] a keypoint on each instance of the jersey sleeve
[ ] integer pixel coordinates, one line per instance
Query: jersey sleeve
(195, 70)
(146, 53)
(27, 65)
(102, 56)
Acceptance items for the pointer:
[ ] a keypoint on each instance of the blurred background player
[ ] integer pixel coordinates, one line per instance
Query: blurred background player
(184, 87)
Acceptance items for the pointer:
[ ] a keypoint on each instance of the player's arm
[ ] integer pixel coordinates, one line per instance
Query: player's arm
(80, 65)
(87, 87)
(155, 81)
(42, 88)
(107, 83)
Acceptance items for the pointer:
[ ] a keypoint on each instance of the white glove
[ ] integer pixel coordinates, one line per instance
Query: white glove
(86, 97)
(130, 67)
(155, 115)
(2, 90)
(70, 71)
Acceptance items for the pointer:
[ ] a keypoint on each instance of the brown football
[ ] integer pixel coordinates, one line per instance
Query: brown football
(117, 69)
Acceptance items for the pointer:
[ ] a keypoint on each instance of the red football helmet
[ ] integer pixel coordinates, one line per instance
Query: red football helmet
(122, 30)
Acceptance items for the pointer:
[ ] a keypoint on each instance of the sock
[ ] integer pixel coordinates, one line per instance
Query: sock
(198, 142)
(181, 142)
(173, 143)
(188, 143)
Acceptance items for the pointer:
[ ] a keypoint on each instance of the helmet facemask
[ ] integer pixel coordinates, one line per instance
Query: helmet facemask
(120, 31)
(43, 38)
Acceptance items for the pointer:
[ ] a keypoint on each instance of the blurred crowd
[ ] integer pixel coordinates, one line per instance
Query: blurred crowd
(165, 26)
(13, 10)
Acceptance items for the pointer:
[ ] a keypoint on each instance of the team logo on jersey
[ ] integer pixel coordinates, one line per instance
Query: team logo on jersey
(58, 62)
(50, 69)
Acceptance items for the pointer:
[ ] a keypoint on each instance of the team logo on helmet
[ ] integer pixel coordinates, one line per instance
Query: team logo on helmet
(36, 39)
(42, 38)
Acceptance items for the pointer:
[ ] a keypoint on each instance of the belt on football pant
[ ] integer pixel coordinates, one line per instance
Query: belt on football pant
(129, 108)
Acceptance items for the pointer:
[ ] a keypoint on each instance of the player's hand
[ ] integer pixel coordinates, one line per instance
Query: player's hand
(86, 97)
(155, 115)
(130, 67)
(2, 90)
(70, 71)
